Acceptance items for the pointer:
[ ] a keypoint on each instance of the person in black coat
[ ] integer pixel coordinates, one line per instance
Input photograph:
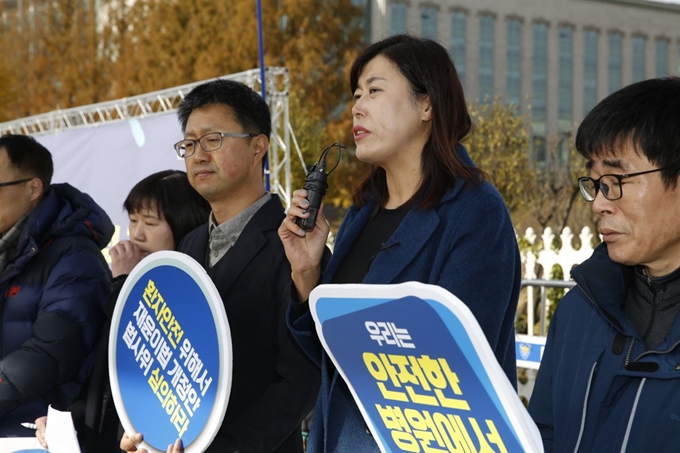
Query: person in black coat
(226, 127)
(162, 208)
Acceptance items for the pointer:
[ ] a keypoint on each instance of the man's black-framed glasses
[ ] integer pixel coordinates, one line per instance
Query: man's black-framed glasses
(209, 142)
(610, 185)
(14, 183)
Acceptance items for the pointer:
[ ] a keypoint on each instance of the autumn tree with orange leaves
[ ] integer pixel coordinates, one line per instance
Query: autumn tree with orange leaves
(50, 52)
(7, 95)
(68, 53)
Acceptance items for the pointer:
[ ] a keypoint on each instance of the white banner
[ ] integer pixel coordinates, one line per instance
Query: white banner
(106, 161)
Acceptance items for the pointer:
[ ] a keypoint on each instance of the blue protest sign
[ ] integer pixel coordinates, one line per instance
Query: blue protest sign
(529, 351)
(170, 353)
(421, 370)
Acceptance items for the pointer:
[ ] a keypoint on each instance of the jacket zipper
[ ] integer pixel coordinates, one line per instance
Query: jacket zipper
(590, 299)
(657, 352)
(650, 285)
(675, 345)
(632, 342)
(630, 350)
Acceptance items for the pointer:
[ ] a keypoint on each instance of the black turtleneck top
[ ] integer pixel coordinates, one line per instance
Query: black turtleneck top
(652, 304)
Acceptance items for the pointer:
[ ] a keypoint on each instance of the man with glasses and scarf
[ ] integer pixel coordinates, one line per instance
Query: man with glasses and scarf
(53, 281)
(609, 379)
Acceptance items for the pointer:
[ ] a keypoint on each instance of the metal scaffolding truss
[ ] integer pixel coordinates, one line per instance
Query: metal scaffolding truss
(165, 101)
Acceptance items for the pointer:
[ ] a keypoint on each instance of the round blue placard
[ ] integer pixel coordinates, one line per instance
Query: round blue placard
(170, 353)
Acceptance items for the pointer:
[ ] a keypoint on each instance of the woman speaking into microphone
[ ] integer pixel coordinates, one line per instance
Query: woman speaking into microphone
(424, 213)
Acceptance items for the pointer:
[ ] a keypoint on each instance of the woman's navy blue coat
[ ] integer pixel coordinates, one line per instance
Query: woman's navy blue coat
(465, 244)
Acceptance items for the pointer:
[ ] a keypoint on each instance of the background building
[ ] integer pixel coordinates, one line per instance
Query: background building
(553, 59)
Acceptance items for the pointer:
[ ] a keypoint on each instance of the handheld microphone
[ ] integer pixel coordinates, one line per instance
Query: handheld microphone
(316, 185)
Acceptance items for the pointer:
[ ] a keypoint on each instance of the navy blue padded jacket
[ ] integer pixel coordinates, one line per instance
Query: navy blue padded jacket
(51, 296)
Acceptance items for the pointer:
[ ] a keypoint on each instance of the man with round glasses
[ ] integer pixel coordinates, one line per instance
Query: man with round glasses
(610, 374)
(226, 128)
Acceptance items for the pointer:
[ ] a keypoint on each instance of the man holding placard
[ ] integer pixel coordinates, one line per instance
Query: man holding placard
(226, 127)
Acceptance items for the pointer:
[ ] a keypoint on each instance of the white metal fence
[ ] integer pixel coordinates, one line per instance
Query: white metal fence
(541, 256)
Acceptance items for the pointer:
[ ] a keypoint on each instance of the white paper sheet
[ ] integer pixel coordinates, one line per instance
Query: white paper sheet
(60, 434)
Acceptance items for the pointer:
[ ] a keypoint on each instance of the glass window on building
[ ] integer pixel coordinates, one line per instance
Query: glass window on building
(428, 21)
(661, 51)
(565, 77)
(615, 66)
(563, 148)
(458, 31)
(398, 18)
(540, 72)
(638, 58)
(590, 42)
(538, 152)
(513, 80)
(486, 25)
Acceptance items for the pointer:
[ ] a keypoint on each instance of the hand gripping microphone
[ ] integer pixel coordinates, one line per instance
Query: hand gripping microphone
(316, 185)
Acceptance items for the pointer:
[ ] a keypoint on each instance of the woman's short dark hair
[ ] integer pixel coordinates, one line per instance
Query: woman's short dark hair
(430, 72)
(171, 195)
(645, 114)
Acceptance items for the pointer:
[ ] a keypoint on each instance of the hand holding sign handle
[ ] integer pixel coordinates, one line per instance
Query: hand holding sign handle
(176, 448)
(129, 444)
